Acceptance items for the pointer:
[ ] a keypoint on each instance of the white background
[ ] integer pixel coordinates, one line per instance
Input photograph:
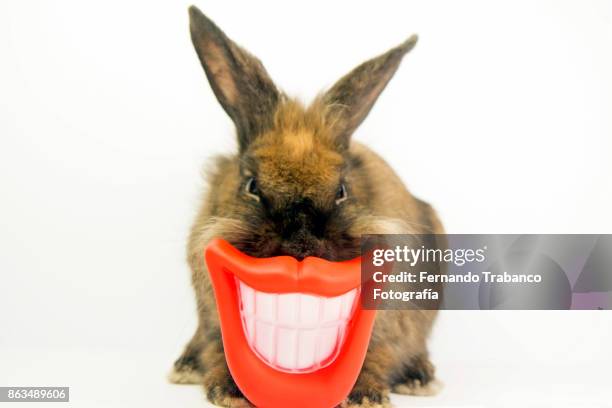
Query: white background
(501, 118)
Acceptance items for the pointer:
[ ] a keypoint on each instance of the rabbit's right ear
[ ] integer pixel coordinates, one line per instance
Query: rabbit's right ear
(238, 79)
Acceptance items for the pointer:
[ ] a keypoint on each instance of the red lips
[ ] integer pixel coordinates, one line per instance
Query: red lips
(263, 385)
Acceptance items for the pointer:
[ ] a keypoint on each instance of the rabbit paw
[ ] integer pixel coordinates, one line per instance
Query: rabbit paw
(221, 389)
(416, 388)
(226, 397)
(370, 398)
(418, 379)
(187, 370)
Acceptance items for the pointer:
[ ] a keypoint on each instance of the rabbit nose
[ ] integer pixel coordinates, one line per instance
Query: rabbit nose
(302, 247)
(301, 227)
(301, 218)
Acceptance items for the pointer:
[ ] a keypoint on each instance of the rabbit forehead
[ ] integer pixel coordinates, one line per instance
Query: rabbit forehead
(297, 162)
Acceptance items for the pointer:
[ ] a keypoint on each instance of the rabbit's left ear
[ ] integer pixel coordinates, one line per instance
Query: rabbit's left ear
(352, 97)
(239, 80)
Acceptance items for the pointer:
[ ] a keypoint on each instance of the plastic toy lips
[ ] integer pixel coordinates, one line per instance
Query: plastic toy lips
(294, 333)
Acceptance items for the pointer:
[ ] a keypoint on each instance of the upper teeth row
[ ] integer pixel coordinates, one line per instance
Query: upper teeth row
(297, 310)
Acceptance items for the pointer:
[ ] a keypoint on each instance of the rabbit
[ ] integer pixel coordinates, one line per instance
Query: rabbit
(299, 186)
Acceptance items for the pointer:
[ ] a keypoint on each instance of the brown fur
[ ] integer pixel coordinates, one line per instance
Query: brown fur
(299, 156)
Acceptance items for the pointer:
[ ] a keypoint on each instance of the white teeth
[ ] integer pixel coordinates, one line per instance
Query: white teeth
(295, 332)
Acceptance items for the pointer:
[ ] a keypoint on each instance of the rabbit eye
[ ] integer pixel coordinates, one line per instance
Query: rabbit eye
(251, 188)
(341, 194)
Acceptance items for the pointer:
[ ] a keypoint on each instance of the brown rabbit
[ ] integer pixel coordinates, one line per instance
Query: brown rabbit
(298, 186)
